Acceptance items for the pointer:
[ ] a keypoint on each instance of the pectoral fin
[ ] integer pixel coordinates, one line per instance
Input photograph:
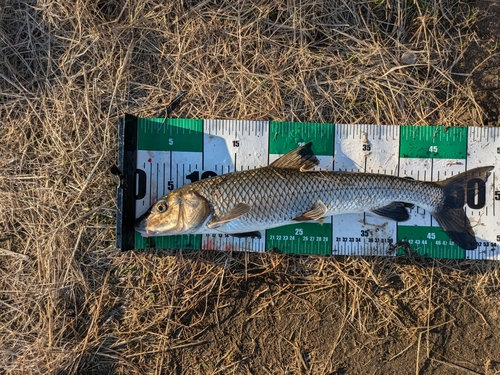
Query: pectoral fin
(396, 211)
(318, 210)
(237, 211)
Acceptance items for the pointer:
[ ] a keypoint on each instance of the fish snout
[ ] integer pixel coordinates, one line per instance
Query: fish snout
(140, 225)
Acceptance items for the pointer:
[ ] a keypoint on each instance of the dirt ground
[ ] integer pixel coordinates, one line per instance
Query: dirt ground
(71, 303)
(481, 63)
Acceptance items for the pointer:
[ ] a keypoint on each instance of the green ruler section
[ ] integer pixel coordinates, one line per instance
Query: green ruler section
(172, 134)
(303, 238)
(430, 242)
(430, 142)
(435, 142)
(165, 137)
(185, 241)
(285, 136)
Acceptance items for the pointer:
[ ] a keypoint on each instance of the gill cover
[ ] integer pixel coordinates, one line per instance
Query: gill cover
(193, 211)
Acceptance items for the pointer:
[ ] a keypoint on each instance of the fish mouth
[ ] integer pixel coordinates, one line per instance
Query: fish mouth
(146, 232)
(140, 226)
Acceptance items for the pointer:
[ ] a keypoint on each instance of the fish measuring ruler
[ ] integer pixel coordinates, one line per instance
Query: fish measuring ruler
(159, 155)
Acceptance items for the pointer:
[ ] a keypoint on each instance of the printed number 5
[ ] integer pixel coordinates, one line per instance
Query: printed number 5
(170, 141)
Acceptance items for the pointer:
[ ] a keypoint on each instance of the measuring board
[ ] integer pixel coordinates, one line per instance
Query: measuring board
(158, 155)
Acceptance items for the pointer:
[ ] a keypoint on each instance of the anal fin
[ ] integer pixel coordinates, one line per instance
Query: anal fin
(396, 211)
(317, 212)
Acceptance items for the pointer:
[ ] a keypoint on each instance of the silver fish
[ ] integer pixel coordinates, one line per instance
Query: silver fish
(288, 191)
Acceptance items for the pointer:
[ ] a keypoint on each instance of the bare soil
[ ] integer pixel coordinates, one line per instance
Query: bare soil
(71, 303)
(481, 63)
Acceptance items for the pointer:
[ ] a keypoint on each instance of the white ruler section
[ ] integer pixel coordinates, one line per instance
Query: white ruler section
(230, 146)
(365, 148)
(483, 149)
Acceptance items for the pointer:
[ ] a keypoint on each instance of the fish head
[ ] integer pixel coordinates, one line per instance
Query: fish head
(182, 211)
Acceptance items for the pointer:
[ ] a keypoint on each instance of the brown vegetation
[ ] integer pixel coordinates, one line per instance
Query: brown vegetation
(71, 303)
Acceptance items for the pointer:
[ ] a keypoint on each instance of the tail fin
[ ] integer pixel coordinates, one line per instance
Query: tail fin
(451, 214)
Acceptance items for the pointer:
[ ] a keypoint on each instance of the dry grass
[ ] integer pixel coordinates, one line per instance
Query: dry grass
(71, 303)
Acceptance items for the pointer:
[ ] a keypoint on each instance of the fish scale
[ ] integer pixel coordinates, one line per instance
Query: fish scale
(284, 194)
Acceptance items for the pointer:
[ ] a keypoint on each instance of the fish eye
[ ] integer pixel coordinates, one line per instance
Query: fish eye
(161, 206)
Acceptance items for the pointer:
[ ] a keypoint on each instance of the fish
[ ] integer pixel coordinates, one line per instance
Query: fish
(243, 203)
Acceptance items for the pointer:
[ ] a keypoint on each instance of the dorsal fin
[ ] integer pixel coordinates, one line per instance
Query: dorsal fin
(301, 158)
